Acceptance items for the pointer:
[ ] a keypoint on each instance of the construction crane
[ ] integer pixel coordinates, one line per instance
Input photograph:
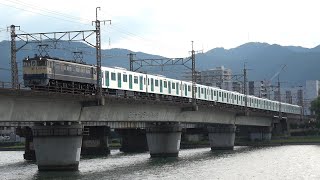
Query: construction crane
(267, 84)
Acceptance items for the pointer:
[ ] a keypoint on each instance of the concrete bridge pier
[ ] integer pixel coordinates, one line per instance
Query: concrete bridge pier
(57, 145)
(95, 141)
(133, 140)
(164, 139)
(29, 153)
(222, 137)
(260, 133)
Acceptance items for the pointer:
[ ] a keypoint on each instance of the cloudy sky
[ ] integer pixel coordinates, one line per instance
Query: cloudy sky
(167, 27)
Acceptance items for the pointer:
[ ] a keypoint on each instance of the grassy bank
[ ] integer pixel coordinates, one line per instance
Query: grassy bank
(11, 146)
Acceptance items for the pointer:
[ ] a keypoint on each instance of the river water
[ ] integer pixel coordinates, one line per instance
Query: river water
(280, 162)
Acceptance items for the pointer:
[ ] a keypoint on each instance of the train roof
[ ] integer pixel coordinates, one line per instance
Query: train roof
(56, 59)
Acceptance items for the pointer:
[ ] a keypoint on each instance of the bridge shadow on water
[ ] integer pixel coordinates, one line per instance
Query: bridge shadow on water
(20, 164)
(134, 165)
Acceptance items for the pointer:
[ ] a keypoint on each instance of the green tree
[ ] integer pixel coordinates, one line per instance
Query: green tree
(315, 107)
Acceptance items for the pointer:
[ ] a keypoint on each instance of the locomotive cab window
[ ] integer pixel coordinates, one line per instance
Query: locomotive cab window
(26, 64)
(41, 63)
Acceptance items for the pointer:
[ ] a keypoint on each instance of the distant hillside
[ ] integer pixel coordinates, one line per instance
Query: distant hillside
(263, 59)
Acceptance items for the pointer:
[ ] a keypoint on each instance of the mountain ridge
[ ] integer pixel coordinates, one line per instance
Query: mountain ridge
(264, 59)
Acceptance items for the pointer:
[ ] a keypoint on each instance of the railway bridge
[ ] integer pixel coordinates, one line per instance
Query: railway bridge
(60, 127)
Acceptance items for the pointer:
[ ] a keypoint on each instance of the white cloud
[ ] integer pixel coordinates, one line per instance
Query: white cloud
(166, 27)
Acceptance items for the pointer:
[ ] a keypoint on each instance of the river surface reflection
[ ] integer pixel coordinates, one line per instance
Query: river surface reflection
(280, 162)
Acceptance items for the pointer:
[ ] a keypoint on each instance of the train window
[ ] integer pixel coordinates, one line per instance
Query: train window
(82, 69)
(113, 76)
(69, 68)
(41, 63)
(135, 79)
(189, 88)
(33, 63)
(225, 95)
(201, 90)
(148, 81)
(125, 78)
(219, 94)
(214, 93)
(88, 70)
(156, 82)
(57, 66)
(165, 84)
(77, 69)
(173, 86)
(26, 64)
(144, 80)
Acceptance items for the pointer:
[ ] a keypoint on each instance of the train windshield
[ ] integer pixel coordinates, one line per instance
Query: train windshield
(41, 63)
(26, 63)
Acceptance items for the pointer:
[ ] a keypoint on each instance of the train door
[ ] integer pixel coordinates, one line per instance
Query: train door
(102, 78)
(161, 87)
(130, 81)
(119, 80)
(185, 90)
(237, 96)
(169, 87)
(223, 94)
(177, 88)
(152, 85)
(107, 78)
(141, 82)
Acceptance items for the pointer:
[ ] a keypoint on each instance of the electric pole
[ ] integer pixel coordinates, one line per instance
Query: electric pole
(131, 60)
(193, 69)
(279, 97)
(245, 89)
(98, 53)
(14, 67)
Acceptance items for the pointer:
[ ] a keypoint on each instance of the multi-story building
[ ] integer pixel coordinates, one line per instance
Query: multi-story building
(216, 77)
(288, 97)
(300, 97)
(312, 91)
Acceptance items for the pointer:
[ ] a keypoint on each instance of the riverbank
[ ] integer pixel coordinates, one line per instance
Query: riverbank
(11, 146)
